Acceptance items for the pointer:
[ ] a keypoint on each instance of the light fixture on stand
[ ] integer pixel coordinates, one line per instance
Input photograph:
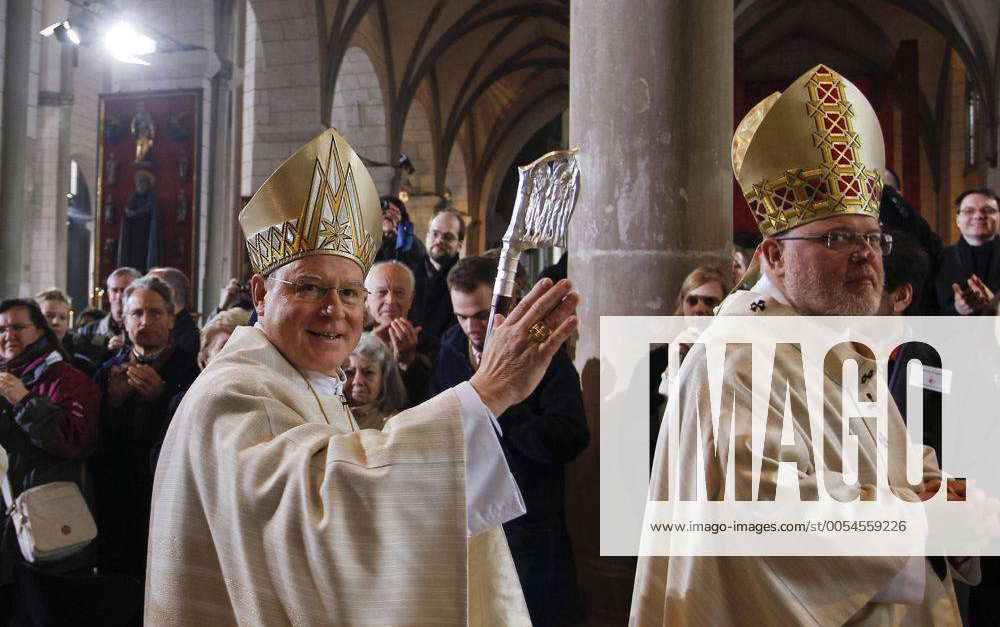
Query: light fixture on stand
(99, 20)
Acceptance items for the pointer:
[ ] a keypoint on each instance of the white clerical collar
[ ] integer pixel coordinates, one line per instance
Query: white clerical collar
(325, 384)
(767, 289)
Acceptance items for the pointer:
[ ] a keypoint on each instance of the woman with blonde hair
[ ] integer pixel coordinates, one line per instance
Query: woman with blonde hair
(215, 334)
(701, 292)
(57, 307)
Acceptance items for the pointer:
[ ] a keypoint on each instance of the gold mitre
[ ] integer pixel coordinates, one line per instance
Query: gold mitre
(321, 201)
(812, 152)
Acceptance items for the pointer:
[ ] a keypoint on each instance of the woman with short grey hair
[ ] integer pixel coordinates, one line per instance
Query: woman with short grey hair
(374, 388)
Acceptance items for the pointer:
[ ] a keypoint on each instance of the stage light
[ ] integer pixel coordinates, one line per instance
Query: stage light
(63, 31)
(126, 44)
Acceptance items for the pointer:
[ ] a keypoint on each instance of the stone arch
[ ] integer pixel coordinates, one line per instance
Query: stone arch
(456, 184)
(252, 51)
(418, 145)
(286, 83)
(514, 137)
(359, 113)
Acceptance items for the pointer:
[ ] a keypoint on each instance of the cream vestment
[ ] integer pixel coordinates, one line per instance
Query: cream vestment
(269, 508)
(718, 591)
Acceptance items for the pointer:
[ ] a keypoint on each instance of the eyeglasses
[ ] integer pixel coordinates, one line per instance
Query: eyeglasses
(986, 210)
(15, 328)
(692, 300)
(352, 295)
(849, 240)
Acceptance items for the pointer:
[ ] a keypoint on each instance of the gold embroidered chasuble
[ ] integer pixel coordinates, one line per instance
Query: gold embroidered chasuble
(739, 590)
(264, 514)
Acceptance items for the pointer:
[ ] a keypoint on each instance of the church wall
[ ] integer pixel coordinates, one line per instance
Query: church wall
(287, 83)
(3, 48)
(39, 254)
(419, 147)
(252, 51)
(359, 113)
(456, 180)
(189, 21)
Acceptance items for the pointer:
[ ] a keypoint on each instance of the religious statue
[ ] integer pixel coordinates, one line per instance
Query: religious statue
(113, 129)
(184, 168)
(109, 209)
(177, 126)
(139, 241)
(182, 206)
(143, 130)
(109, 245)
(111, 170)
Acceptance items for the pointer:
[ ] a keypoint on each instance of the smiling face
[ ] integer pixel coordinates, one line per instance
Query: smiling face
(17, 332)
(819, 281)
(318, 335)
(473, 313)
(978, 218)
(364, 380)
(390, 288)
(57, 314)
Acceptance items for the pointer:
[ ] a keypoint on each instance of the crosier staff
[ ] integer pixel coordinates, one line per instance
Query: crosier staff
(547, 190)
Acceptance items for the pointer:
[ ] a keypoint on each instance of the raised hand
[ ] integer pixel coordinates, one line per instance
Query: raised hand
(514, 360)
(118, 387)
(11, 388)
(145, 380)
(403, 338)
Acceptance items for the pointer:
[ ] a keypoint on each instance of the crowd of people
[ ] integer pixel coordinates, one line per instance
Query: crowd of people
(91, 400)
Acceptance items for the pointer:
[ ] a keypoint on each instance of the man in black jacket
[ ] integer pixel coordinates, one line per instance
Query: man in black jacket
(540, 436)
(431, 305)
(970, 270)
(185, 334)
(100, 339)
(138, 390)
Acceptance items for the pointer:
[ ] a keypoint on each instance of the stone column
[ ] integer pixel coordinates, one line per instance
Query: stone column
(651, 109)
(13, 213)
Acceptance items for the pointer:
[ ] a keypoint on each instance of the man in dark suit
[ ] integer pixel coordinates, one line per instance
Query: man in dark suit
(907, 269)
(431, 304)
(970, 270)
(540, 436)
(185, 333)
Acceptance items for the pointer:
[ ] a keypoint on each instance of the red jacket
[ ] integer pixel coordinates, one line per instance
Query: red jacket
(54, 424)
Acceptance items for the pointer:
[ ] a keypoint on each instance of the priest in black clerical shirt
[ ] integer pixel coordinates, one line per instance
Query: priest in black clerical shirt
(970, 270)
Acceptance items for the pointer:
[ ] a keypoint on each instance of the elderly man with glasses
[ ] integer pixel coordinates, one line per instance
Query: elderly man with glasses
(272, 507)
(816, 203)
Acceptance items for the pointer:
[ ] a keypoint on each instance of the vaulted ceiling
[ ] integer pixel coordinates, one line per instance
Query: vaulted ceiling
(477, 67)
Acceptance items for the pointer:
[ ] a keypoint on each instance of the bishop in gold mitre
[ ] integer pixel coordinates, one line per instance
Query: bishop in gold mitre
(809, 162)
(271, 507)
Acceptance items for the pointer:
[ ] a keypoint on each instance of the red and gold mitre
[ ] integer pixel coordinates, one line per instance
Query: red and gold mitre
(321, 201)
(812, 152)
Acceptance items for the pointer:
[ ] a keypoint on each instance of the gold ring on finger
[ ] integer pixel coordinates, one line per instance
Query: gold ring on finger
(539, 332)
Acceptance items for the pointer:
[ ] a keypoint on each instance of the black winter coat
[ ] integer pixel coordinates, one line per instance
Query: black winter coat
(957, 266)
(540, 436)
(122, 473)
